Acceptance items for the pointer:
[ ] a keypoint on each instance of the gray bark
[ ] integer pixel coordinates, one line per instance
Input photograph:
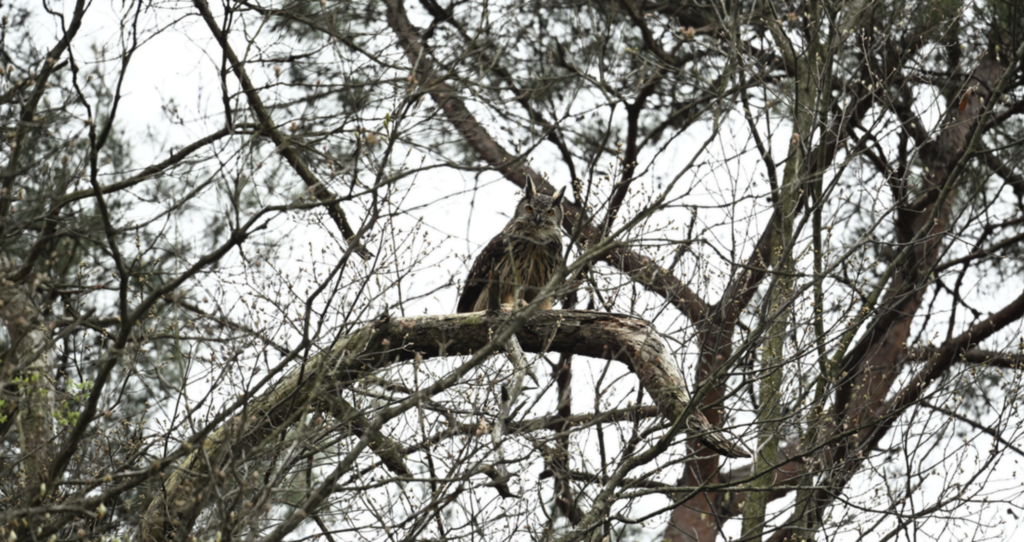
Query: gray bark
(599, 335)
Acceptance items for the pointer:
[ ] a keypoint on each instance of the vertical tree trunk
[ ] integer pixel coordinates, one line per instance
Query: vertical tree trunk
(776, 317)
(31, 371)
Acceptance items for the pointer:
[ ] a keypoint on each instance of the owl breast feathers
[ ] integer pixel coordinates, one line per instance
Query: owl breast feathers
(521, 259)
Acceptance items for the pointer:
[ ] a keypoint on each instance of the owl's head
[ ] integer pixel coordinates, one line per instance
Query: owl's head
(538, 217)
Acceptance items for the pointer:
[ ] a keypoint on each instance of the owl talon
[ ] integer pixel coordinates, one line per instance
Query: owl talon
(503, 308)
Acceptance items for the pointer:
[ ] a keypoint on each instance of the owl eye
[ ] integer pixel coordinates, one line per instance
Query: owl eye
(551, 212)
(529, 209)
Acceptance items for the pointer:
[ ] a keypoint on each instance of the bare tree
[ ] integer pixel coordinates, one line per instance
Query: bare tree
(796, 227)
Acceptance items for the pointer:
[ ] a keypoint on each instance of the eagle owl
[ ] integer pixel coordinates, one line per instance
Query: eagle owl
(521, 259)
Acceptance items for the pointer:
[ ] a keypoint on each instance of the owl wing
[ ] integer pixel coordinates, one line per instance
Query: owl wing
(477, 280)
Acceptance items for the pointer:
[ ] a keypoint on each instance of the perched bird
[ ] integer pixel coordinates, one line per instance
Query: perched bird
(518, 262)
(521, 259)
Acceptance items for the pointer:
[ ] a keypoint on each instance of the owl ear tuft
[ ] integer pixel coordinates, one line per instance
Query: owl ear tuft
(531, 189)
(557, 198)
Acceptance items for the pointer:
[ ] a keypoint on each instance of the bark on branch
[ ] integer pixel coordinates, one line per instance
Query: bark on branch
(317, 383)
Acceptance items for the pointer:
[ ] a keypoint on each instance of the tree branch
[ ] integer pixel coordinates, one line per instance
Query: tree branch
(381, 344)
(283, 146)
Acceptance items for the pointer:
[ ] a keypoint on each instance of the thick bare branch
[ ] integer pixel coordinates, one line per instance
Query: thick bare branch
(599, 335)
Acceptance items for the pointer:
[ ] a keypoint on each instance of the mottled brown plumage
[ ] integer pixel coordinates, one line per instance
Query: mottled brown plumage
(521, 259)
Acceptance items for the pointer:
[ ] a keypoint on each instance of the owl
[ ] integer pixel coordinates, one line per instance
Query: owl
(521, 259)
